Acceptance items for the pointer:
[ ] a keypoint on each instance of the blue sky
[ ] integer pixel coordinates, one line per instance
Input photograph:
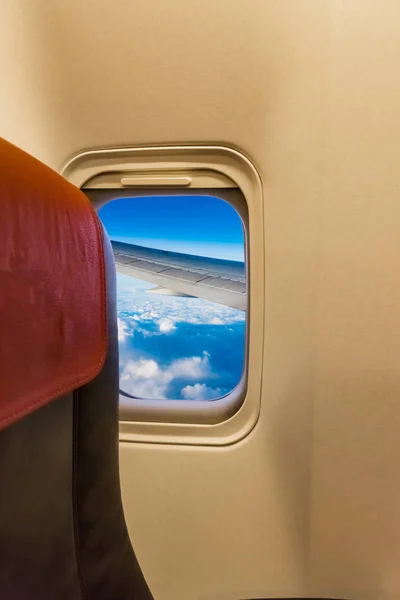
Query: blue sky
(176, 347)
(201, 225)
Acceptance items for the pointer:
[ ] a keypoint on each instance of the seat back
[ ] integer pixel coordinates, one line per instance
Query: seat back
(62, 527)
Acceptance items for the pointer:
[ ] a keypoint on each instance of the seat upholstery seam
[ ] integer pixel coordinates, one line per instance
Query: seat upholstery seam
(75, 457)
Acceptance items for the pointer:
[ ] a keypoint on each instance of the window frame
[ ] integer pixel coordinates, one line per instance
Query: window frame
(231, 177)
(184, 411)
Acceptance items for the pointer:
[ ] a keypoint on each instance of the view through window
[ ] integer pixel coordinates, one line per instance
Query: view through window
(181, 295)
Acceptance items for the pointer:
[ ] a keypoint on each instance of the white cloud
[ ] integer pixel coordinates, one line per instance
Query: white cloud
(199, 391)
(142, 368)
(216, 321)
(166, 325)
(122, 330)
(145, 378)
(150, 316)
(193, 367)
(126, 327)
(146, 333)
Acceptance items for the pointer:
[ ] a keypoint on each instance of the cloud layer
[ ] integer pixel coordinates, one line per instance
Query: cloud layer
(174, 347)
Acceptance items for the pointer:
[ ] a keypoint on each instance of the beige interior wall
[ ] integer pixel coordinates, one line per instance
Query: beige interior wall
(309, 502)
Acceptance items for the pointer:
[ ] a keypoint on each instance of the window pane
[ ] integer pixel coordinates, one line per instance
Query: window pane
(181, 295)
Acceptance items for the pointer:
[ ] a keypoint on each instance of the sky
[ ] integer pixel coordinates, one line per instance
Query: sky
(176, 347)
(201, 225)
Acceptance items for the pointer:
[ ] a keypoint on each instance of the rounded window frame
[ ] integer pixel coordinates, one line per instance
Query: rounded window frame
(231, 177)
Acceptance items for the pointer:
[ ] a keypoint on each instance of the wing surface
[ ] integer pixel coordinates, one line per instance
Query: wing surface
(175, 273)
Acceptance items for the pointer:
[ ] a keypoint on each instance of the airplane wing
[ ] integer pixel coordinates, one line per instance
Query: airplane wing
(174, 273)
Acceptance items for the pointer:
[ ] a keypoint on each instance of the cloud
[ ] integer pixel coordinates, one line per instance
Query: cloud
(142, 368)
(146, 379)
(194, 367)
(122, 330)
(175, 347)
(199, 391)
(166, 325)
(126, 327)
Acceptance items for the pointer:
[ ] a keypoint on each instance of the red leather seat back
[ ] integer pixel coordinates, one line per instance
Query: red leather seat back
(53, 314)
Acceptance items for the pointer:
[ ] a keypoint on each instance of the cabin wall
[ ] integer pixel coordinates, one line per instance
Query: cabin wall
(308, 503)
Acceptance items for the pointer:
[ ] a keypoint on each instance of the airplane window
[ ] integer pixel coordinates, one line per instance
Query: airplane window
(181, 294)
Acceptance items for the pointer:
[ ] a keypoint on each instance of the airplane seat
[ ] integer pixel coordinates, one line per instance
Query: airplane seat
(62, 529)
